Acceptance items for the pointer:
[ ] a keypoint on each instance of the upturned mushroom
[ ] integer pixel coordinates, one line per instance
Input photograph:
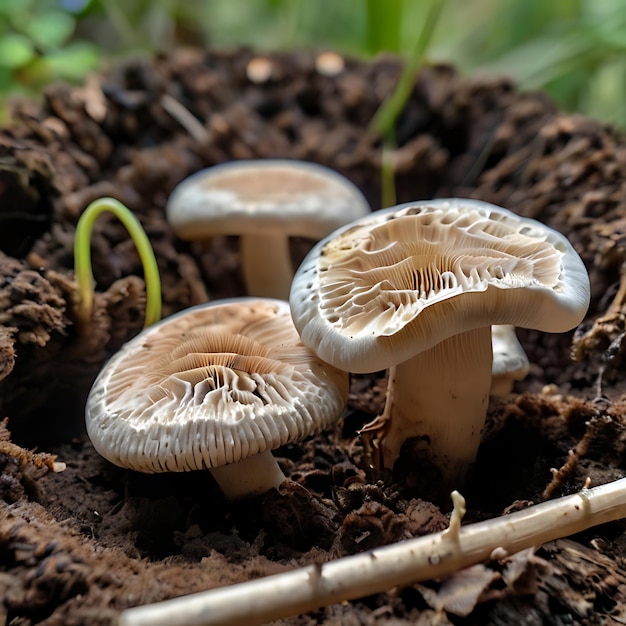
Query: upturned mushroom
(264, 202)
(217, 386)
(417, 288)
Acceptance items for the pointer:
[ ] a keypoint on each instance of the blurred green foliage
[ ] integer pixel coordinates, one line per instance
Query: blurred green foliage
(574, 49)
(38, 45)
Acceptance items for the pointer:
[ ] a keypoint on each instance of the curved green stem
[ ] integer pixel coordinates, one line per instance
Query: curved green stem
(387, 174)
(82, 259)
(388, 113)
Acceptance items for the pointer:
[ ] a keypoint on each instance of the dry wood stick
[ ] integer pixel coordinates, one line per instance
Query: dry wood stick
(378, 570)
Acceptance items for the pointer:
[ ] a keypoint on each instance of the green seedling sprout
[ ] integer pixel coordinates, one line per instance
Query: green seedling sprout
(390, 110)
(385, 118)
(82, 260)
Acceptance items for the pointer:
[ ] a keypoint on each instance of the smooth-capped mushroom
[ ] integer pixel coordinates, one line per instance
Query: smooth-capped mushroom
(264, 202)
(217, 386)
(510, 362)
(417, 288)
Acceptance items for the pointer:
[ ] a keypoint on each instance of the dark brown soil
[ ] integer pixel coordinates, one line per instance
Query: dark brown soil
(78, 546)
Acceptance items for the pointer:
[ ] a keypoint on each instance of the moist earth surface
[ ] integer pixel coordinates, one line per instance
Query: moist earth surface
(80, 545)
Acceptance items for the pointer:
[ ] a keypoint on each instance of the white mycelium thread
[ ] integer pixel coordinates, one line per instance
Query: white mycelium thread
(211, 386)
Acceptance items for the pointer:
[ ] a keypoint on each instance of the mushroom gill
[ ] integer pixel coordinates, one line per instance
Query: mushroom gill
(421, 257)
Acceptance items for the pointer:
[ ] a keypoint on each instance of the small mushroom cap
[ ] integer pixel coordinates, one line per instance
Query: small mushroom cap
(212, 385)
(397, 282)
(271, 196)
(510, 362)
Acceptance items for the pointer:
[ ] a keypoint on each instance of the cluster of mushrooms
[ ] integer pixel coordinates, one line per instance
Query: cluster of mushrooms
(429, 290)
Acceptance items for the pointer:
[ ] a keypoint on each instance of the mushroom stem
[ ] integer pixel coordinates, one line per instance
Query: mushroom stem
(439, 399)
(266, 265)
(253, 475)
(510, 362)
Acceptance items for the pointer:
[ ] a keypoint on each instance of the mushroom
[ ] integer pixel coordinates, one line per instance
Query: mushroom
(510, 362)
(417, 288)
(216, 386)
(264, 202)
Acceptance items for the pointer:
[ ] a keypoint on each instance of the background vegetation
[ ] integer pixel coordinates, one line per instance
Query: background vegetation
(574, 49)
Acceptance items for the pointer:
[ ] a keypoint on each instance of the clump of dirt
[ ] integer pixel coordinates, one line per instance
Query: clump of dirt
(80, 545)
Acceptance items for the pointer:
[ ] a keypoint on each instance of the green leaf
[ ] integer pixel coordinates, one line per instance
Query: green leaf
(73, 61)
(11, 7)
(15, 51)
(614, 39)
(384, 25)
(542, 59)
(7, 81)
(49, 29)
(605, 96)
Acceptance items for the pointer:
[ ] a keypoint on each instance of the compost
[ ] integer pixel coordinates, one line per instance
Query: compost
(80, 545)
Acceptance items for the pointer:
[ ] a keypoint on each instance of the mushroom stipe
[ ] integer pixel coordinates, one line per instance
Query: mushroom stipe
(264, 202)
(417, 288)
(216, 387)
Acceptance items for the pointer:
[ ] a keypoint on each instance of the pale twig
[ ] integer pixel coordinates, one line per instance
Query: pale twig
(185, 118)
(434, 556)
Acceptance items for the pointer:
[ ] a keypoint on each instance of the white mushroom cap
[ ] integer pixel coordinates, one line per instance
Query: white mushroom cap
(211, 386)
(256, 197)
(264, 202)
(401, 280)
(417, 288)
(510, 362)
